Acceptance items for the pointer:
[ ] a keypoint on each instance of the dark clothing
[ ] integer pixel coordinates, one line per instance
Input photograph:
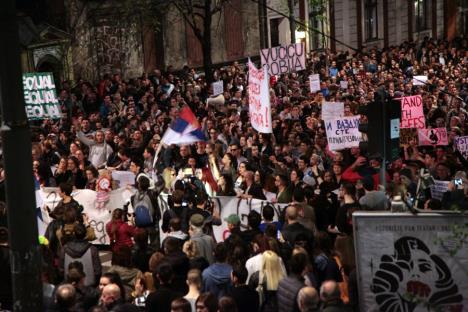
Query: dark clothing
(326, 269)
(6, 295)
(246, 298)
(177, 211)
(161, 299)
(76, 249)
(297, 231)
(335, 306)
(454, 200)
(249, 235)
(217, 279)
(344, 220)
(180, 265)
(140, 258)
(78, 179)
(288, 288)
(256, 191)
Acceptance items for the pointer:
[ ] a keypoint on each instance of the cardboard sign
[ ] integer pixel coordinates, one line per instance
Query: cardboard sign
(331, 110)
(343, 133)
(284, 59)
(344, 84)
(259, 99)
(40, 96)
(439, 188)
(124, 178)
(461, 144)
(436, 136)
(419, 80)
(408, 262)
(218, 87)
(412, 115)
(314, 81)
(407, 135)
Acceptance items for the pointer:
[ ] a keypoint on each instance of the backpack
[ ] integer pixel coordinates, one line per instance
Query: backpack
(143, 209)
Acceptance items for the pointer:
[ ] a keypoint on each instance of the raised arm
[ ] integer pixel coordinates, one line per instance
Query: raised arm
(82, 137)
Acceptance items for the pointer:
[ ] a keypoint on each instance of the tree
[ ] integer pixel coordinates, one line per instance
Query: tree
(198, 14)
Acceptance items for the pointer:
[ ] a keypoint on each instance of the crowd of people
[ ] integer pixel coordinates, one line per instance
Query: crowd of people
(300, 260)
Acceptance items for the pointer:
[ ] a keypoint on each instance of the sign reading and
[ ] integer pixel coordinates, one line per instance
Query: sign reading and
(412, 115)
(284, 59)
(40, 96)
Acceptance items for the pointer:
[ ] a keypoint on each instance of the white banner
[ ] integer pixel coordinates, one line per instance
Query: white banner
(218, 88)
(343, 133)
(411, 263)
(259, 99)
(331, 110)
(284, 59)
(314, 81)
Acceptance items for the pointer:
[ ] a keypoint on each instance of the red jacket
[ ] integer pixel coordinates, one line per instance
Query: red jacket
(123, 234)
(349, 175)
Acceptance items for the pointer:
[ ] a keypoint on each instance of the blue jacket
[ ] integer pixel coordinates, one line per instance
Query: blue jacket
(217, 279)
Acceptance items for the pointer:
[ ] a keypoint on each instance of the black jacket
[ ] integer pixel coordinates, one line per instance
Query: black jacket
(297, 231)
(246, 298)
(160, 300)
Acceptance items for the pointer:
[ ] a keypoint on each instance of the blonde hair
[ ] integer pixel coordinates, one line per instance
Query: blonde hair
(271, 270)
(190, 248)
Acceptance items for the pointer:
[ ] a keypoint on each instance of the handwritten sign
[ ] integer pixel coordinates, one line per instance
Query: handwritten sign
(259, 99)
(332, 110)
(124, 178)
(284, 59)
(343, 133)
(344, 84)
(439, 188)
(412, 115)
(218, 88)
(461, 144)
(436, 136)
(314, 81)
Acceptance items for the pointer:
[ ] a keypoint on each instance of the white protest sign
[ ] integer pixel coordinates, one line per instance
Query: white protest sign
(408, 262)
(343, 133)
(439, 188)
(284, 59)
(462, 145)
(332, 110)
(419, 80)
(344, 84)
(218, 87)
(123, 178)
(259, 99)
(314, 81)
(40, 96)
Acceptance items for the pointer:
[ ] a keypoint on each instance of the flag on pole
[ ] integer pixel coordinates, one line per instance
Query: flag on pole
(184, 130)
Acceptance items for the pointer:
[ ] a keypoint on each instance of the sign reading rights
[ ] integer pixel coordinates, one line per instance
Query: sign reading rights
(259, 99)
(412, 115)
(40, 96)
(284, 59)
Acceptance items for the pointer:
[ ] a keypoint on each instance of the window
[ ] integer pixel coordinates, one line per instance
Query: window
(274, 31)
(421, 15)
(371, 24)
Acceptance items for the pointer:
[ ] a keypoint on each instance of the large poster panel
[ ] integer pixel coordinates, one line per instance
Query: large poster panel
(411, 263)
(40, 96)
(284, 59)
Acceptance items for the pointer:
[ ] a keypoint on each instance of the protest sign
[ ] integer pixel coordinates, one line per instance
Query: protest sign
(259, 99)
(284, 59)
(461, 144)
(123, 178)
(439, 188)
(436, 136)
(332, 110)
(343, 133)
(412, 115)
(344, 84)
(218, 88)
(419, 80)
(314, 81)
(407, 135)
(387, 244)
(40, 96)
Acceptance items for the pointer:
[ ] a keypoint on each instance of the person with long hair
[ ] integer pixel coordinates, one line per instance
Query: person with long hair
(61, 174)
(228, 164)
(225, 186)
(76, 177)
(120, 232)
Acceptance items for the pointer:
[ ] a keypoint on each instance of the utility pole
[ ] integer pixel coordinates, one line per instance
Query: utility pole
(292, 21)
(21, 203)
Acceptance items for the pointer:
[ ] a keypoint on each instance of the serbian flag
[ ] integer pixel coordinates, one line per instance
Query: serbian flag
(185, 130)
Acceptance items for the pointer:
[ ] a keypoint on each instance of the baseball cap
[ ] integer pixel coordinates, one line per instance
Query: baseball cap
(232, 219)
(197, 220)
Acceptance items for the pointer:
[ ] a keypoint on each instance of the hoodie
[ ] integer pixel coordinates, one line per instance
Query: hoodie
(76, 249)
(217, 279)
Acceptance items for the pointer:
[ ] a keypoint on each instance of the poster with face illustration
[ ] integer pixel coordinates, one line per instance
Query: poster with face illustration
(411, 263)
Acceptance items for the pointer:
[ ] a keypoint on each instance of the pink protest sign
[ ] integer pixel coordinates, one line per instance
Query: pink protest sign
(437, 136)
(412, 115)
